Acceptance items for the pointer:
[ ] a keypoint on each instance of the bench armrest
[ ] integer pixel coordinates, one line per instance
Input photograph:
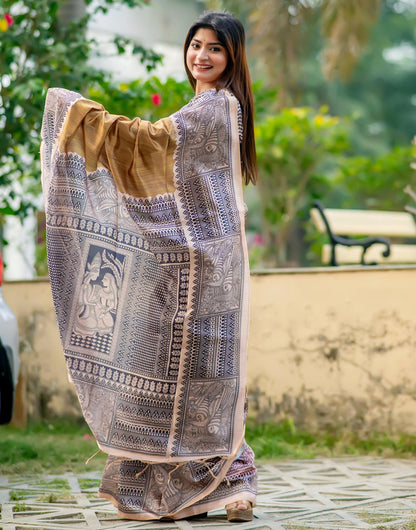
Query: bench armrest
(364, 242)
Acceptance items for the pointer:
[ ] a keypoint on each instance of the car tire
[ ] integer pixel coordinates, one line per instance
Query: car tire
(6, 388)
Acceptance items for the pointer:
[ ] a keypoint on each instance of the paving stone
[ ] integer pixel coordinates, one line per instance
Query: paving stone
(345, 493)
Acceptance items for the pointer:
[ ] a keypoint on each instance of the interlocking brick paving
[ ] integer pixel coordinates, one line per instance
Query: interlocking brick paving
(350, 493)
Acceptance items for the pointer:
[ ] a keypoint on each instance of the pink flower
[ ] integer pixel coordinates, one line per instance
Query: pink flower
(258, 239)
(9, 19)
(87, 437)
(156, 99)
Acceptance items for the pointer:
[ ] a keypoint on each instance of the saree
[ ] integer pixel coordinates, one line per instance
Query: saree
(150, 281)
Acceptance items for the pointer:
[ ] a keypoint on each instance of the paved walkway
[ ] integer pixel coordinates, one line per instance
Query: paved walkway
(323, 493)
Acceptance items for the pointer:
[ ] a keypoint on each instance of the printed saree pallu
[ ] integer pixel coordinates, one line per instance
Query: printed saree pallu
(149, 275)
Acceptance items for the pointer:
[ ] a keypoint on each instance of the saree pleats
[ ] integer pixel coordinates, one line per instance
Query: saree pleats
(151, 491)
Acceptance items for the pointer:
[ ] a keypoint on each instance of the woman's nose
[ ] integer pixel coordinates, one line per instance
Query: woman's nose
(202, 54)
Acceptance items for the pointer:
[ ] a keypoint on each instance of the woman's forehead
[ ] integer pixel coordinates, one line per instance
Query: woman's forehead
(206, 36)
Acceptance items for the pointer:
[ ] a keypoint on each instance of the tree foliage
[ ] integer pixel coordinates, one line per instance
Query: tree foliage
(378, 183)
(296, 150)
(150, 99)
(380, 92)
(346, 25)
(280, 30)
(43, 46)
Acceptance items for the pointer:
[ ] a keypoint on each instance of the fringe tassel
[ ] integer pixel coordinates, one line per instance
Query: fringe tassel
(173, 470)
(93, 456)
(176, 466)
(142, 471)
(224, 459)
(209, 470)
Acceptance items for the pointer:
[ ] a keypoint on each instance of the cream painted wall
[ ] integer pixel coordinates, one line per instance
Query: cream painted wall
(328, 348)
(43, 389)
(335, 348)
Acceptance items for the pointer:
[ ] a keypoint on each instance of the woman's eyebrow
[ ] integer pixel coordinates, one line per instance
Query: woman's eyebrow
(209, 43)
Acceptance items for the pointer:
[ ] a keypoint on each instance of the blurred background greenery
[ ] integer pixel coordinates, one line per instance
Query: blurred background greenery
(334, 84)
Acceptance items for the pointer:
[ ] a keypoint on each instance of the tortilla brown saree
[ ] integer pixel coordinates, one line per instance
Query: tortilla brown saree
(149, 274)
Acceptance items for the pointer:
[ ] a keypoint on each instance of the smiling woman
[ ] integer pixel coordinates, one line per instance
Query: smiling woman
(149, 272)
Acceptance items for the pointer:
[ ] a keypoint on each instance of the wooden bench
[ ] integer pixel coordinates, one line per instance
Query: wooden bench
(367, 237)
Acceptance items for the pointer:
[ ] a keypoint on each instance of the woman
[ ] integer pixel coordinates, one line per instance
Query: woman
(157, 212)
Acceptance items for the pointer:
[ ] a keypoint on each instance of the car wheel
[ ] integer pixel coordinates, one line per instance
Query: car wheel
(6, 388)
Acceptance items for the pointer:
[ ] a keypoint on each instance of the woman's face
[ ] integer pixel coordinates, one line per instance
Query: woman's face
(206, 59)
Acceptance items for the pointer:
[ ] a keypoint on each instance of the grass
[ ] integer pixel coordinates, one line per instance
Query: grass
(17, 495)
(275, 441)
(52, 448)
(60, 447)
(21, 507)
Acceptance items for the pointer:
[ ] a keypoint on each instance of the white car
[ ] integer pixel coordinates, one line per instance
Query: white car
(9, 356)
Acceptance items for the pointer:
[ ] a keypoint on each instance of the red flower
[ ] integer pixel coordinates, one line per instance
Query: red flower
(9, 19)
(156, 99)
(258, 239)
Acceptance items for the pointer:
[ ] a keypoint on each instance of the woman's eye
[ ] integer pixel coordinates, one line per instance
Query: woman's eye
(215, 49)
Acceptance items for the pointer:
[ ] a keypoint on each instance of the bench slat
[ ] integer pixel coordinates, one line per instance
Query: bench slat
(366, 222)
(352, 255)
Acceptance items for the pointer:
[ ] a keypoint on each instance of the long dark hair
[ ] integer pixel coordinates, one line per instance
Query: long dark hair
(236, 77)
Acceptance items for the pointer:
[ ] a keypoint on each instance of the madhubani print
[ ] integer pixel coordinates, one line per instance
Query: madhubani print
(211, 210)
(221, 277)
(96, 309)
(208, 412)
(149, 291)
(91, 398)
(151, 302)
(205, 145)
(121, 357)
